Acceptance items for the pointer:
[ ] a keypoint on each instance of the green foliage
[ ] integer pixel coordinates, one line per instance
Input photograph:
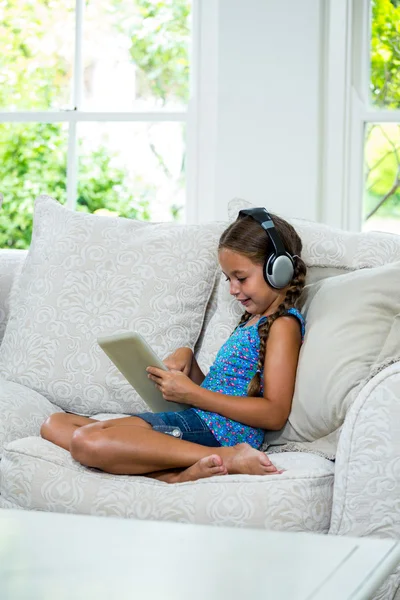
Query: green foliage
(385, 53)
(33, 161)
(33, 155)
(159, 48)
(382, 196)
(31, 76)
(103, 187)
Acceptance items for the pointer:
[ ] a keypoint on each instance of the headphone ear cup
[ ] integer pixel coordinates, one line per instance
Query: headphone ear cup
(279, 270)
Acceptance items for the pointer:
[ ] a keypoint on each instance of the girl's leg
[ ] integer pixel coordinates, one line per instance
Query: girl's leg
(60, 427)
(139, 450)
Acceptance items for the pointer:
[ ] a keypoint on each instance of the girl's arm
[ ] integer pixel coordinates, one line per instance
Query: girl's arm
(268, 412)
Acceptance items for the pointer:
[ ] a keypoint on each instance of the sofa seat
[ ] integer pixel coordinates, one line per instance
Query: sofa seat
(37, 475)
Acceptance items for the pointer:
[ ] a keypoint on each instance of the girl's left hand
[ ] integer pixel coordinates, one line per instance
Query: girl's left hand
(174, 385)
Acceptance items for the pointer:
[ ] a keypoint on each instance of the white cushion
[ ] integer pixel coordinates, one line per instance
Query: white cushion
(38, 475)
(348, 319)
(11, 262)
(87, 275)
(22, 412)
(351, 323)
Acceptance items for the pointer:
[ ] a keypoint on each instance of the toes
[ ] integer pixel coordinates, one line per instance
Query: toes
(264, 460)
(270, 468)
(213, 461)
(219, 470)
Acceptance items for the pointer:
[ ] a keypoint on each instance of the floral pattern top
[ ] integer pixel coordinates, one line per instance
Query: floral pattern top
(233, 368)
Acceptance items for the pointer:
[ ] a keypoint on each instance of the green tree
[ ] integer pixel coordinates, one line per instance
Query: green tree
(385, 54)
(159, 48)
(383, 140)
(33, 155)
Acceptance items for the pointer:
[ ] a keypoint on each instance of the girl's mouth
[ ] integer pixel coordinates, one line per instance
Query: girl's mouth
(245, 301)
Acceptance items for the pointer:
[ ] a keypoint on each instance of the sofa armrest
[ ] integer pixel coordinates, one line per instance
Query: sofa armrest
(22, 412)
(366, 496)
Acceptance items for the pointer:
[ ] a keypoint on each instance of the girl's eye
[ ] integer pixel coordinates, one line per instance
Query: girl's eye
(240, 279)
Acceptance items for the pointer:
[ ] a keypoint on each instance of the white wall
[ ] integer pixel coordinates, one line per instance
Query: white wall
(259, 111)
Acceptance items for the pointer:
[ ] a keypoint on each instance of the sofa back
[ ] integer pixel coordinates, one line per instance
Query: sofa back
(327, 251)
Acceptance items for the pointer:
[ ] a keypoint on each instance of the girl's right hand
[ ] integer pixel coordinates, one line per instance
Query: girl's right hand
(180, 360)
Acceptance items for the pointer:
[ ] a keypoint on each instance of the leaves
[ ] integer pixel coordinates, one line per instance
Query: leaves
(385, 54)
(35, 74)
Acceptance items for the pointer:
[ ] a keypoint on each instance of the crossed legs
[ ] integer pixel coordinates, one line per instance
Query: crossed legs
(130, 446)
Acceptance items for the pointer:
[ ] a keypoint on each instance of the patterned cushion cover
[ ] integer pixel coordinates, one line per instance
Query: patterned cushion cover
(87, 275)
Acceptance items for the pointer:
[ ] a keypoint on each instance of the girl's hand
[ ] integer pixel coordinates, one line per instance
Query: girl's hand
(180, 360)
(174, 385)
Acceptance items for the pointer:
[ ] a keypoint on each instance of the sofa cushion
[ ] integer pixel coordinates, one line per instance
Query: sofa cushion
(11, 262)
(22, 412)
(38, 475)
(349, 319)
(354, 326)
(8, 505)
(87, 275)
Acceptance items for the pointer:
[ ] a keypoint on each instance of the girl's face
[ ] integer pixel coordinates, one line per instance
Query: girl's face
(247, 283)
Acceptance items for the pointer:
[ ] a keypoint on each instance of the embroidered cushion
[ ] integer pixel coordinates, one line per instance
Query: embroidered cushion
(87, 275)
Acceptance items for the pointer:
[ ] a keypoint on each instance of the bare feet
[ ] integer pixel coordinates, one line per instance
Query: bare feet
(208, 466)
(245, 460)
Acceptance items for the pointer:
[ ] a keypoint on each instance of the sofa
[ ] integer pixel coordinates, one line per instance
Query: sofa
(87, 275)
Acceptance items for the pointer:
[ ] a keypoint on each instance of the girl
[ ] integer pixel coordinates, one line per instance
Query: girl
(248, 389)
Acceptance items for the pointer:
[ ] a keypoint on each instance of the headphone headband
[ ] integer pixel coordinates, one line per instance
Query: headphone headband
(265, 220)
(279, 266)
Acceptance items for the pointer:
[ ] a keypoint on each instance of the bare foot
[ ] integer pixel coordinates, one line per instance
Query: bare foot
(209, 466)
(245, 460)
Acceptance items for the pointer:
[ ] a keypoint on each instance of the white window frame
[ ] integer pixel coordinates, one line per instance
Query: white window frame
(76, 115)
(347, 111)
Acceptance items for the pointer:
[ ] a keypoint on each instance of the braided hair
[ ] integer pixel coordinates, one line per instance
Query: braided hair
(246, 237)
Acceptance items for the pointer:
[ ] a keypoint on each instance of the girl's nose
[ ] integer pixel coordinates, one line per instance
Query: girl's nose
(233, 288)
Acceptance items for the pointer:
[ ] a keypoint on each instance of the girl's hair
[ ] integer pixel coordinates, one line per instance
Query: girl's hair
(246, 237)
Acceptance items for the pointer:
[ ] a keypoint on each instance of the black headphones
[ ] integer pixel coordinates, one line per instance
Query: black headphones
(279, 265)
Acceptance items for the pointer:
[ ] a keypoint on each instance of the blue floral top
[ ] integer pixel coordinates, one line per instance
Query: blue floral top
(230, 374)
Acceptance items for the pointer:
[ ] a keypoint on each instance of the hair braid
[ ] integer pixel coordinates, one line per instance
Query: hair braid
(246, 316)
(292, 296)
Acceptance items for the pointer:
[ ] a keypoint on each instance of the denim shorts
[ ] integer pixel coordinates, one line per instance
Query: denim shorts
(186, 425)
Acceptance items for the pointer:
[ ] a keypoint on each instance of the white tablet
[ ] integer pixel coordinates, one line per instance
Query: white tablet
(131, 354)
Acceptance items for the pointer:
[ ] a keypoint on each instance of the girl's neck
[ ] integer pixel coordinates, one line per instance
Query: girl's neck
(273, 307)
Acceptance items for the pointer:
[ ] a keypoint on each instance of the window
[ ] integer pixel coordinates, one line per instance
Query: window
(381, 205)
(93, 108)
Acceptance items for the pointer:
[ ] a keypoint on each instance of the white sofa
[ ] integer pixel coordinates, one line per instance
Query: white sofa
(357, 494)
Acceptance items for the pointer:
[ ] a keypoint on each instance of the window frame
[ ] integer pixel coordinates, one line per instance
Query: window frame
(75, 115)
(347, 112)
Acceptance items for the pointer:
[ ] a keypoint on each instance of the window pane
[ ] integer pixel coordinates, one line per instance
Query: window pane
(133, 170)
(136, 54)
(37, 41)
(382, 177)
(385, 54)
(32, 162)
